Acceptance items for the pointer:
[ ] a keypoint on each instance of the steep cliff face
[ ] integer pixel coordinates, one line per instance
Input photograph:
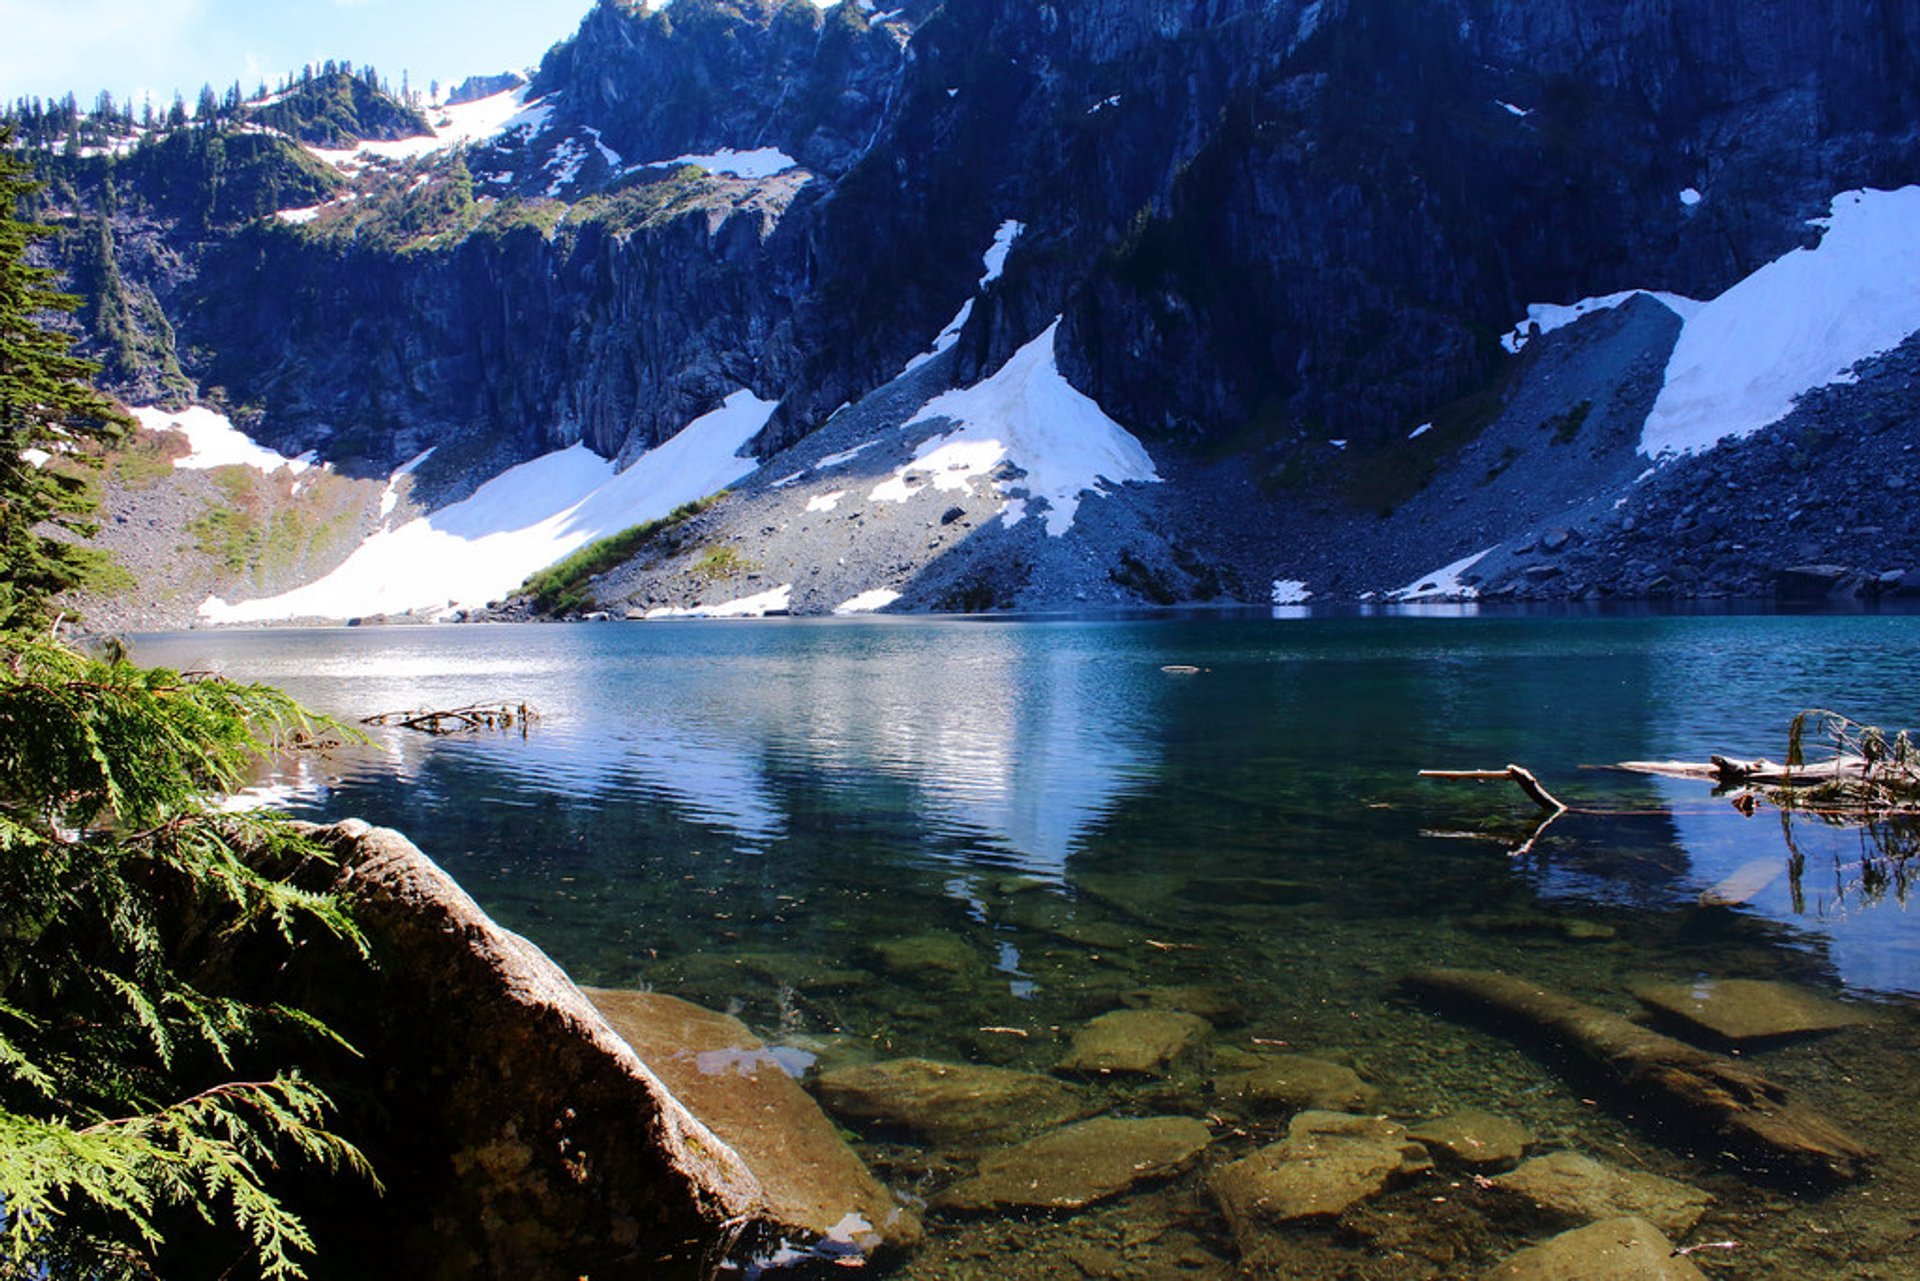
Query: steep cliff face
(1263, 225)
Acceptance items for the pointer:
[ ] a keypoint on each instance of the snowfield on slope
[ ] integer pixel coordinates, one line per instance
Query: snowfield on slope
(475, 121)
(1031, 417)
(482, 548)
(215, 442)
(1800, 322)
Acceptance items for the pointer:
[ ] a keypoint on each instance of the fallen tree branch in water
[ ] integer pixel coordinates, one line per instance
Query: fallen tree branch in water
(1528, 783)
(1538, 794)
(460, 720)
(1745, 1109)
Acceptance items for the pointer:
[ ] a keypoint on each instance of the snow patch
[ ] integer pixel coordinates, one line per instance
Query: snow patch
(1800, 322)
(993, 264)
(1690, 197)
(1518, 112)
(867, 602)
(778, 600)
(1544, 318)
(390, 496)
(1290, 591)
(845, 457)
(522, 520)
(826, 502)
(35, 458)
(1028, 415)
(476, 121)
(1444, 583)
(763, 162)
(215, 442)
(1419, 431)
(995, 259)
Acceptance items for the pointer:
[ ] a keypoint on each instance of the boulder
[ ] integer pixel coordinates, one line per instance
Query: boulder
(1623, 1249)
(949, 1104)
(1081, 1165)
(1328, 1163)
(1476, 1139)
(728, 1078)
(1134, 1042)
(1216, 1005)
(1295, 1081)
(1816, 582)
(938, 955)
(518, 1136)
(1746, 1009)
(1580, 1189)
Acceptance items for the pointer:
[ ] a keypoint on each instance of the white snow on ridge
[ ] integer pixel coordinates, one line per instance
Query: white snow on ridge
(1030, 416)
(216, 442)
(475, 121)
(1444, 583)
(521, 521)
(762, 162)
(1800, 322)
(1544, 318)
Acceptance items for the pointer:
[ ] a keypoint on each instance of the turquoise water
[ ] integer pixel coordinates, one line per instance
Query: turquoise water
(744, 814)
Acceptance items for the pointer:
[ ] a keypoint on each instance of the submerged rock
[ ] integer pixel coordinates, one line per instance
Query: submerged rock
(1216, 1005)
(950, 1104)
(1747, 1009)
(1474, 1138)
(729, 1079)
(1569, 1186)
(937, 955)
(1622, 1249)
(1328, 1163)
(1081, 1164)
(1293, 1081)
(1135, 1042)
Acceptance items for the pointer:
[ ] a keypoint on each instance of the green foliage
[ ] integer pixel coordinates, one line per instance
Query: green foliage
(124, 1111)
(146, 458)
(563, 587)
(338, 110)
(114, 1107)
(1566, 426)
(46, 405)
(721, 562)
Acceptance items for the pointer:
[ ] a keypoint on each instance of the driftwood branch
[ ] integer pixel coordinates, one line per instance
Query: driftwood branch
(460, 720)
(1745, 1109)
(1527, 783)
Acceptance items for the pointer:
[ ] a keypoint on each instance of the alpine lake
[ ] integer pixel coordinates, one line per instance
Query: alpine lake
(966, 839)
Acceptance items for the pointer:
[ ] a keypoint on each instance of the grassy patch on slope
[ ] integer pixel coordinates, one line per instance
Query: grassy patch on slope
(563, 587)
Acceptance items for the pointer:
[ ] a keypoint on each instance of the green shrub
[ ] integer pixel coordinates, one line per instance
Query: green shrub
(563, 587)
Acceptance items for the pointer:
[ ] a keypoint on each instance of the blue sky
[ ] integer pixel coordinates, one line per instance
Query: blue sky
(136, 47)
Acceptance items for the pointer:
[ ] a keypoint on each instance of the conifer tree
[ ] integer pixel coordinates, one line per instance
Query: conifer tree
(49, 417)
(134, 1098)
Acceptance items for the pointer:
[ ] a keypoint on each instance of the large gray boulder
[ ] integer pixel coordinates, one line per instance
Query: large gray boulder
(518, 1136)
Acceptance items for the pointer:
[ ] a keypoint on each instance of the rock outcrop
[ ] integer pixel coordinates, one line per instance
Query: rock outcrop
(519, 1137)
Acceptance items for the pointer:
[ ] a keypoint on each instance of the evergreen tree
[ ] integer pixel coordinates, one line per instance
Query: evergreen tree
(133, 1099)
(49, 416)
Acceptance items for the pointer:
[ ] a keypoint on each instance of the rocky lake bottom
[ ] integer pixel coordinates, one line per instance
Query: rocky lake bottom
(1103, 968)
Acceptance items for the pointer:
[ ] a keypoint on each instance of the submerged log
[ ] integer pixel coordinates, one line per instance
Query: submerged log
(459, 720)
(1727, 771)
(1745, 1109)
